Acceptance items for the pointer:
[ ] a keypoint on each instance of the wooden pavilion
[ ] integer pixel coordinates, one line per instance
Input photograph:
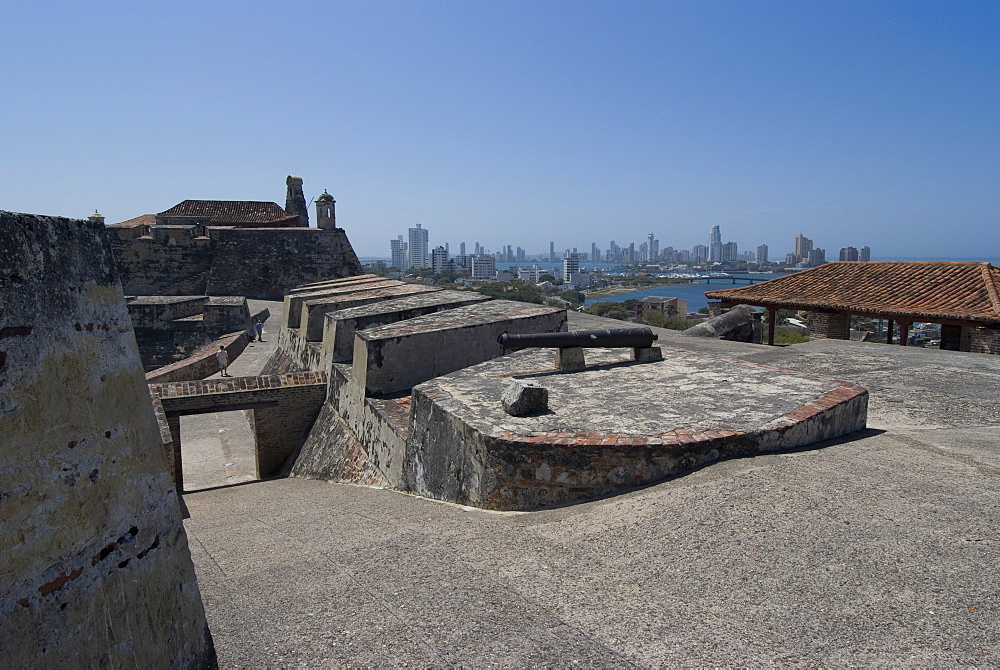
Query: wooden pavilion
(964, 298)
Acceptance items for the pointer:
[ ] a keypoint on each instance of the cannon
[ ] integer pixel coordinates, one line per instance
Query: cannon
(637, 338)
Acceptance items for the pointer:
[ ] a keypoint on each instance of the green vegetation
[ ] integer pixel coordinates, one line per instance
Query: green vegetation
(609, 310)
(514, 290)
(789, 337)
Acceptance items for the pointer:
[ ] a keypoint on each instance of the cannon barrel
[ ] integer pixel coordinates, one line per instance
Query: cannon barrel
(608, 337)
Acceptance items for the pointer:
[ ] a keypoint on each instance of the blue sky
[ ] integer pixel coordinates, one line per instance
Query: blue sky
(855, 123)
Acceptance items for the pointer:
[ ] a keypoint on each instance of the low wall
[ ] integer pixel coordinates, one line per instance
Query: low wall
(448, 459)
(203, 362)
(397, 357)
(303, 355)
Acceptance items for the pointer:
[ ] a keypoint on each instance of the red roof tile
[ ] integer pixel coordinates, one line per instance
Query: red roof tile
(926, 291)
(223, 212)
(144, 220)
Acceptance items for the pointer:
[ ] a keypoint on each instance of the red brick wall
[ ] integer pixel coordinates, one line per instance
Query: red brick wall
(830, 325)
(984, 341)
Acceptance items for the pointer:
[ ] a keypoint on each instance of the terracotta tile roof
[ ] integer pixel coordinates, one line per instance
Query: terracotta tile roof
(926, 291)
(224, 212)
(144, 220)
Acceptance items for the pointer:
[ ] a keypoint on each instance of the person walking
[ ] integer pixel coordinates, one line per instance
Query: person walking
(259, 327)
(223, 357)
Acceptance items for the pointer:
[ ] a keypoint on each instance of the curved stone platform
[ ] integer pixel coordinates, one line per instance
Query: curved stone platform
(614, 425)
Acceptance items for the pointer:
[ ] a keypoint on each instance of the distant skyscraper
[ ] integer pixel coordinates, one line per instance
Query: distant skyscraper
(461, 249)
(864, 254)
(816, 257)
(715, 245)
(398, 249)
(594, 255)
(848, 254)
(571, 265)
(803, 245)
(730, 252)
(418, 247)
(552, 252)
(439, 259)
(761, 253)
(699, 254)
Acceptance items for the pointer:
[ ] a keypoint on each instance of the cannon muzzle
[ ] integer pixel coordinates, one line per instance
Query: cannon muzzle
(608, 337)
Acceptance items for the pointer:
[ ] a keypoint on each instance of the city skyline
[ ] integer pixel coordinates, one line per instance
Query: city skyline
(804, 252)
(573, 121)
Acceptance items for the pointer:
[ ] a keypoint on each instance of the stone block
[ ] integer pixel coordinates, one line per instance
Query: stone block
(647, 354)
(520, 398)
(570, 358)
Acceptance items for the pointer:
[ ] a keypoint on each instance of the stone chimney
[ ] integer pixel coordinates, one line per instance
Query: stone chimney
(295, 201)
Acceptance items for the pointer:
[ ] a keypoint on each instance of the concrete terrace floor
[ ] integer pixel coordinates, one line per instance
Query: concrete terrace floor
(876, 551)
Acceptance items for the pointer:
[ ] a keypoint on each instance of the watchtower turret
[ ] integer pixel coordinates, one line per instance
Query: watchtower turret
(326, 213)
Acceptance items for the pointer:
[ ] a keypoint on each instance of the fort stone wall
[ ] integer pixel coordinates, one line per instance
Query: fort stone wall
(258, 263)
(96, 570)
(264, 263)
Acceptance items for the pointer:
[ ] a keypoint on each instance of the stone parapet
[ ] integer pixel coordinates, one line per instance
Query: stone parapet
(340, 326)
(315, 309)
(294, 300)
(394, 358)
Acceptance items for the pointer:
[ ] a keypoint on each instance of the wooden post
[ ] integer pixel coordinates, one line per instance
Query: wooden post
(771, 313)
(904, 333)
(888, 335)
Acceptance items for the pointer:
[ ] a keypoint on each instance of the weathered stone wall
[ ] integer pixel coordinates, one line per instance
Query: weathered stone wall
(305, 356)
(264, 263)
(449, 459)
(333, 452)
(393, 358)
(203, 362)
(96, 570)
(151, 264)
(254, 262)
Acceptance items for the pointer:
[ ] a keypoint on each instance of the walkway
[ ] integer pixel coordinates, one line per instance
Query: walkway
(218, 448)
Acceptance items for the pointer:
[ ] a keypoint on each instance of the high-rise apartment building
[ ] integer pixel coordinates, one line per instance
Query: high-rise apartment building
(864, 254)
(816, 257)
(552, 252)
(803, 245)
(730, 252)
(761, 253)
(715, 245)
(848, 254)
(419, 247)
(397, 249)
(439, 259)
(461, 249)
(699, 254)
(483, 267)
(571, 265)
